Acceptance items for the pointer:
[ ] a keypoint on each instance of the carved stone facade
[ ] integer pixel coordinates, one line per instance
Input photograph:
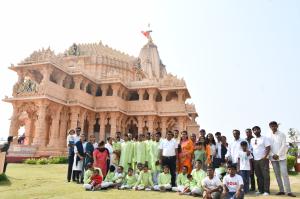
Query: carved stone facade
(99, 89)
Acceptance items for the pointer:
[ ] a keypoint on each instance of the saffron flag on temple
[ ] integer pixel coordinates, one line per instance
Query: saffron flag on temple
(146, 33)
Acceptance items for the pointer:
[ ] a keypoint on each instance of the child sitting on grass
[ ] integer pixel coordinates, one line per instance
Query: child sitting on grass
(233, 184)
(181, 180)
(139, 169)
(212, 185)
(129, 181)
(144, 180)
(190, 185)
(115, 179)
(89, 170)
(95, 182)
(164, 180)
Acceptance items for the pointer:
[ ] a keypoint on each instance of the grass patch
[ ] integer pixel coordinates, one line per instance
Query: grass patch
(49, 181)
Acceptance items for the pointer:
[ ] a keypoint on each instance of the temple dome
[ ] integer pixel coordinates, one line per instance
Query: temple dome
(150, 61)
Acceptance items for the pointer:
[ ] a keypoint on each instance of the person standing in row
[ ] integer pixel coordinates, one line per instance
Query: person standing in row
(70, 144)
(186, 154)
(249, 137)
(78, 158)
(278, 159)
(168, 154)
(261, 150)
(234, 148)
(5, 148)
(218, 159)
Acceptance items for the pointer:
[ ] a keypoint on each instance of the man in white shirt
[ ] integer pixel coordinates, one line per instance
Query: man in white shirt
(77, 135)
(212, 185)
(168, 153)
(249, 136)
(218, 159)
(110, 149)
(234, 148)
(278, 159)
(70, 144)
(261, 149)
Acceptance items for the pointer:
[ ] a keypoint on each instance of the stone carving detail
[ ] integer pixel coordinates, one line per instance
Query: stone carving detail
(39, 56)
(73, 50)
(28, 87)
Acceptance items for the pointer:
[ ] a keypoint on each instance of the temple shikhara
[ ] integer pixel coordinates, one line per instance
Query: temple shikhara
(99, 89)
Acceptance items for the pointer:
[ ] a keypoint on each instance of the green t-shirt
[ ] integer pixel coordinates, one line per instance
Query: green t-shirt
(130, 180)
(191, 184)
(198, 176)
(109, 177)
(200, 155)
(87, 176)
(181, 179)
(145, 179)
(164, 178)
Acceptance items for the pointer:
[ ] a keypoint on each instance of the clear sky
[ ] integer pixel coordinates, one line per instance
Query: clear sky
(240, 59)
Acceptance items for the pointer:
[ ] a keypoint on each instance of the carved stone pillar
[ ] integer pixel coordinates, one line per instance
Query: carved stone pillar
(180, 124)
(82, 117)
(113, 124)
(104, 88)
(181, 96)
(46, 74)
(54, 129)
(103, 122)
(150, 124)
(92, 121)
(164, 95)
(77, 81)
(164, 126)
(40, 125)
(74, 117)
(14, 123)
(115, 88)
(140, 124)
(63, 131)
(151, 93)
(61, 79)
(141, 94)
(28, 136)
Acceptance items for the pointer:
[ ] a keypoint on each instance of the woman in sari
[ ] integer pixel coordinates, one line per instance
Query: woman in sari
(186, 154)
(89, 149)
(100, 156)
(211, 148)
(78, 158)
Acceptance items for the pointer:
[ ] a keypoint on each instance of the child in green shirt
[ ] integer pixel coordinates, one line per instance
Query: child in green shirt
(164, 180)
(200, 154)
(144, 180)
(181, 180)
(88, 173)
(108, 181)
(130, 180)
(199, 175)
(114, 179)
(189, 186)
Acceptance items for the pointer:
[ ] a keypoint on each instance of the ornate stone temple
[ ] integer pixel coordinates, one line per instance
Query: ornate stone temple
(99, 89)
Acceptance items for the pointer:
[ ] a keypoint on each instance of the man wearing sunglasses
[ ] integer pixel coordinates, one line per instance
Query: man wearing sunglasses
(261, 149)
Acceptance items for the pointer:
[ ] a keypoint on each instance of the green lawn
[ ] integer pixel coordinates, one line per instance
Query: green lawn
(49, 181)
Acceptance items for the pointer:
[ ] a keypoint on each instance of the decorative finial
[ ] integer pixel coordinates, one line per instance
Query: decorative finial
(147, 33)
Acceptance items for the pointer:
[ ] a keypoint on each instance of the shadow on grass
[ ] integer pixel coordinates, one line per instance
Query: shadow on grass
(4, 181)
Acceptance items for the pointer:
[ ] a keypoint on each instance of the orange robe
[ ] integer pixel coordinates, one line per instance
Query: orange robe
(208, 159)
(186, 155)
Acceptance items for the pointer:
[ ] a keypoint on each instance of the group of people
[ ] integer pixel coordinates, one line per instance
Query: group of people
(181, 163)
